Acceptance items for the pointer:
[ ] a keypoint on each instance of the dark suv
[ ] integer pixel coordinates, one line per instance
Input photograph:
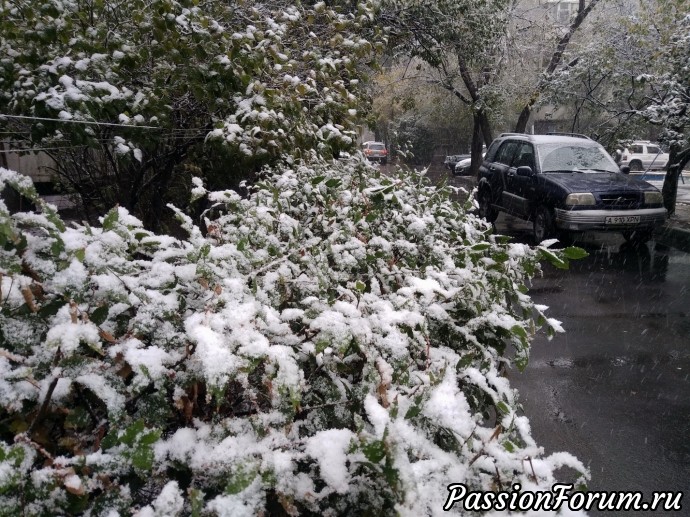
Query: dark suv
(565, 183)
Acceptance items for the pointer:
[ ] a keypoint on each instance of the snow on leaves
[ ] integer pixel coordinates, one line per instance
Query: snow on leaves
(307, 346)
(269, 78)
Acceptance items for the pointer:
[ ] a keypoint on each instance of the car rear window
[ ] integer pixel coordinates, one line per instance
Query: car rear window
(377, 147)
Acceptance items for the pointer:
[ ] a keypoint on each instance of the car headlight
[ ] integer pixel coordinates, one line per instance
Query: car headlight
(653, 198)
(582, 198)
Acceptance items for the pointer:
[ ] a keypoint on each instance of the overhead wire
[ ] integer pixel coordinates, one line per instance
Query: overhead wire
(97, 123)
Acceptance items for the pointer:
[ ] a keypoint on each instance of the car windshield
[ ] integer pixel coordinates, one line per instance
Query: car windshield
(558, 157)
(377, 147)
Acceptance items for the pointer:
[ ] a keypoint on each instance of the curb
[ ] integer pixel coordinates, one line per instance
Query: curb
(673, 236)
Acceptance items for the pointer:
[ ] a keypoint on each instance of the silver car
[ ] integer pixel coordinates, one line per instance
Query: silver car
(375, 152)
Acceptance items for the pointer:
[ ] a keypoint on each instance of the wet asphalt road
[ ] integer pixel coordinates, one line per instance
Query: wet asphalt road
(614, 390)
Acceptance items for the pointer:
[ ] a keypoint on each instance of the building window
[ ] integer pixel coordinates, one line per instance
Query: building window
(563, 11)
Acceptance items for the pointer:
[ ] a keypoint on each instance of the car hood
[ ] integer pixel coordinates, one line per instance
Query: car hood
(597, 182)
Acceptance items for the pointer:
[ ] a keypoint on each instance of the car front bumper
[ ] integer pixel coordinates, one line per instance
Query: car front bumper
(583, 220)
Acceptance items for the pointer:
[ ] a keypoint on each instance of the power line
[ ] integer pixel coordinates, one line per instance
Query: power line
(37, 149)
(72, 121)
(94, 123)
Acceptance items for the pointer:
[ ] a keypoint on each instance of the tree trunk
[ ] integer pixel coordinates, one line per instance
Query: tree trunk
(554, 62)
(481, 135)
(676, 163)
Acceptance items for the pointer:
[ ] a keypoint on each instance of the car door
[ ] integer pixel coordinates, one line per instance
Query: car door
(499, 172)
(637, 155)
(520, 190)
(652, 157)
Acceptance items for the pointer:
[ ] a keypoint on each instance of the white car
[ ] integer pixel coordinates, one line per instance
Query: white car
(644, 156)
(463, 167)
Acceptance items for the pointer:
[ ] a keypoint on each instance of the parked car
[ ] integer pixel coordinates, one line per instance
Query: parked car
(463, 167)
(642, 156)
(452, 159)
(565, 184)
(375, 152)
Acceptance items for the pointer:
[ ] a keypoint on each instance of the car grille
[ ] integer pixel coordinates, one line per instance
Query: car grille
(620, 201)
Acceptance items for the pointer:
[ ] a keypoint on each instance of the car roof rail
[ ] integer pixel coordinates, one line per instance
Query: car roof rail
(511, 134)
(576, 135)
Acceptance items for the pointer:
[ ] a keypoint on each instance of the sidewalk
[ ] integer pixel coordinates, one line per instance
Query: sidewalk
(676, 231)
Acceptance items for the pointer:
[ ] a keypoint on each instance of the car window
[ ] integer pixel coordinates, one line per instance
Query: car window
(637, 149)
(378, 147)
(492, 151)
(652, 149)
(506, 152)
(575, 158)
(524, 156)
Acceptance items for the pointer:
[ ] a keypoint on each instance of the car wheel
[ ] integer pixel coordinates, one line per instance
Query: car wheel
(543, 224)
(637, 236)
(636, 166)
(486, 211)
(384, 161)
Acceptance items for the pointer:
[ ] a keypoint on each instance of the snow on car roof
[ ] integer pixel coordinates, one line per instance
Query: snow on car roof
(550, 139)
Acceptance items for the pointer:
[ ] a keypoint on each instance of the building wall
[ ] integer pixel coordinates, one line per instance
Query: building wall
(35, 165)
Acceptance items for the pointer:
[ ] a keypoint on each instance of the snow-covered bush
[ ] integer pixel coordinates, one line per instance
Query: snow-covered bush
(333, 344)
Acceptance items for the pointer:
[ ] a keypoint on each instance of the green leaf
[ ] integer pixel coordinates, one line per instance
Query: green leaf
(51, 308)
(150, 438)
(131, 433)
(413, 412)
(99, 315)
(416, 408)
(317, 180)
(553, 258)
(110, 219)
(575, 253)
(481, 246)
(465, 361)
(519, 331)
(142, 458)
(374, 451)
(240, 480)
(503, 407)
(57, 248)
(334, 182)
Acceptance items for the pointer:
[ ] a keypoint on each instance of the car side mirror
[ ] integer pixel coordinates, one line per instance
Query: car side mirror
(525, 170)
(625, 169)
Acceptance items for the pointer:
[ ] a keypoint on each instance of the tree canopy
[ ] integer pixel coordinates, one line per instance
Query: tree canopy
(127, 96)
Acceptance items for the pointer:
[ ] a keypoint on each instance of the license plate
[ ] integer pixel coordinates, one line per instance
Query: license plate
(623, 219)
